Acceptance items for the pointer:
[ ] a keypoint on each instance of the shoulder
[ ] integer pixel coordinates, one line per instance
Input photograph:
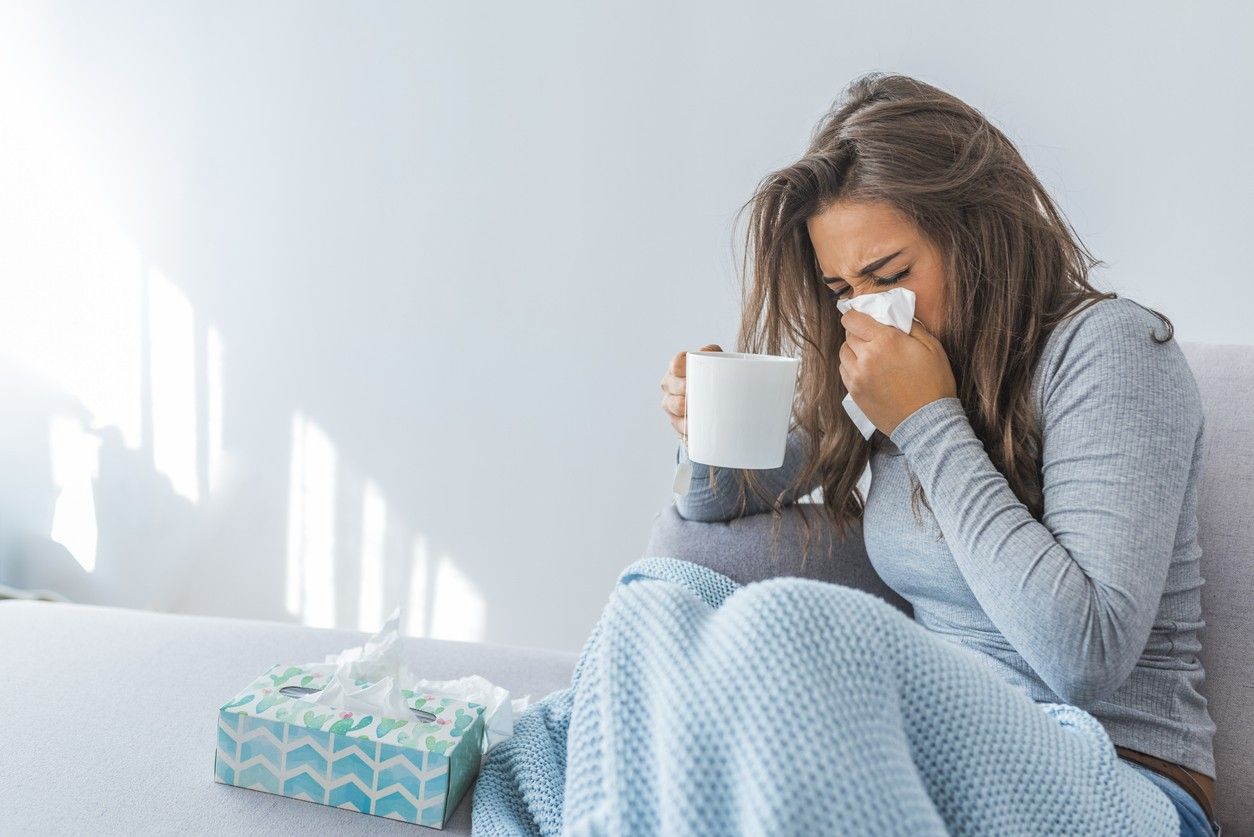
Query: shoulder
(1113, 345)
(1121, 324)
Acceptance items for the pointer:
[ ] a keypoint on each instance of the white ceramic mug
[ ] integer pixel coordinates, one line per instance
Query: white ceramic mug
(739, 406)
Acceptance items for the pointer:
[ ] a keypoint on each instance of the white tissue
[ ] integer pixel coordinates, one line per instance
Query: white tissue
(894, 307)
(380, 661)
(498, 723)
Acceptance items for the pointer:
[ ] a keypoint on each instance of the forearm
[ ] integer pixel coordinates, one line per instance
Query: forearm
(717, 497)
(1079, 616)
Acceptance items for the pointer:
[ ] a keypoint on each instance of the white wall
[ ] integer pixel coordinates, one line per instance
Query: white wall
(370, 301)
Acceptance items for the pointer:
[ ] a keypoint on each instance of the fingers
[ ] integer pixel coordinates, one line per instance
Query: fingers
(919, 331)
(674, 387)
(679, 363)
(847, 356)
(678, 422)
(863, 325)
(675, 405)
(673, 380)
(846, 376)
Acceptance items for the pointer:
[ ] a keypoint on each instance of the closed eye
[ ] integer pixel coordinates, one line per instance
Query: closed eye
(891, 280)
(879, 281)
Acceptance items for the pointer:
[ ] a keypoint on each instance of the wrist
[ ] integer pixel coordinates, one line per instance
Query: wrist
(915, 425)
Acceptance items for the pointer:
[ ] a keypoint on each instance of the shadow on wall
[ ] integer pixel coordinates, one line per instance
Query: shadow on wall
(118, 474)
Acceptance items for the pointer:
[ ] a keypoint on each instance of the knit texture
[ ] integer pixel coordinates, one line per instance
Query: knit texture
(700, 706)
(1096, 604)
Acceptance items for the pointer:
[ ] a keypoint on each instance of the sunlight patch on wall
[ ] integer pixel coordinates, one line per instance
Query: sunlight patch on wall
(310, 590)
(416, 605)
(71, 274)
(373, 530)
(213, 407)
(172, 367)
(458, 610)
(75, 457)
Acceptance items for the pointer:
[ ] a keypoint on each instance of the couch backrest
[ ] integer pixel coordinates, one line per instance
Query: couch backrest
(1225, 376)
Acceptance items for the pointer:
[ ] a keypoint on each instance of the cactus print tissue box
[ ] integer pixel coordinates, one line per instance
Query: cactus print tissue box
(414, 769)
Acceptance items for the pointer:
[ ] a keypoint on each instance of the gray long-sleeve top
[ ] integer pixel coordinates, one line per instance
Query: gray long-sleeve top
(1097, 604)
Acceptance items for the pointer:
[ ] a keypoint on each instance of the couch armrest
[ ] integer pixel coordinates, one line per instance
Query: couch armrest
(741, 549)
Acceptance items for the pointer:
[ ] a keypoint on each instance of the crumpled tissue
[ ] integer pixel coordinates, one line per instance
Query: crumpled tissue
(380, 661)
(894, 307)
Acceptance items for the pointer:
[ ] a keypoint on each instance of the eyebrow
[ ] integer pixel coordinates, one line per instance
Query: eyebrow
(869, 269)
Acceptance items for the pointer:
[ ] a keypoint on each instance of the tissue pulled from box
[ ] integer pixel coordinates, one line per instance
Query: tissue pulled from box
(373, 678)
(894, 307)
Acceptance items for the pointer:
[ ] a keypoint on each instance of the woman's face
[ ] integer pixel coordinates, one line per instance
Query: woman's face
(852, 238)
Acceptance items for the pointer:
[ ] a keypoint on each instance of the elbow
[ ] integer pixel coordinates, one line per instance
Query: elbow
(699, 513)
(1097, 660)
(1085, 684)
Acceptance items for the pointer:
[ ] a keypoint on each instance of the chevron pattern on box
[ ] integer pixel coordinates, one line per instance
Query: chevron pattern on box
(338, 770)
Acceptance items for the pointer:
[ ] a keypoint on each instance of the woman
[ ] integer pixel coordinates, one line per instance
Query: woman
(1034, 468)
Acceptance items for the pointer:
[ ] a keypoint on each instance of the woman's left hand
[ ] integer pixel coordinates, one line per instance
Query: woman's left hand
(889, 373)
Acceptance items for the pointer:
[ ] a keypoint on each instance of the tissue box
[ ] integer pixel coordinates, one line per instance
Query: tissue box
(401, 768)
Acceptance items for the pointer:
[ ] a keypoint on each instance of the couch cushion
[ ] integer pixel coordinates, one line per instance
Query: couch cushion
(80, 678)
(1225, 377)
(741, 549)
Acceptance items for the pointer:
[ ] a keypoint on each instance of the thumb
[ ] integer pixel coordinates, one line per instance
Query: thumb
(918, 330)
(711, 347)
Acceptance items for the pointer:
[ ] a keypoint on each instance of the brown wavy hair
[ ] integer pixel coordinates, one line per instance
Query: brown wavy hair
(1014, 269)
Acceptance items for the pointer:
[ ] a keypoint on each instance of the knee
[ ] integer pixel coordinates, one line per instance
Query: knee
(813, 610)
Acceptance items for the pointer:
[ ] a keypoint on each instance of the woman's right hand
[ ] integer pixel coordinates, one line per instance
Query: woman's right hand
(674, 390)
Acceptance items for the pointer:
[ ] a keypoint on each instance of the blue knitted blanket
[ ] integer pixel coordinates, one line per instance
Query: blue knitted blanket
(700, 706)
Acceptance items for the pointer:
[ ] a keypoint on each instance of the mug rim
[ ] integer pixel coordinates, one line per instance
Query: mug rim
(750, 356)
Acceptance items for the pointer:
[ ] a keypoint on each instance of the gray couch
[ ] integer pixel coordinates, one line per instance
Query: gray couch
(742, 549)
(110, 718)
(109, 714)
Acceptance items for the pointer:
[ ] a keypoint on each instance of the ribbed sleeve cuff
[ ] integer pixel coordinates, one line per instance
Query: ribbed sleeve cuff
(931, 421)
